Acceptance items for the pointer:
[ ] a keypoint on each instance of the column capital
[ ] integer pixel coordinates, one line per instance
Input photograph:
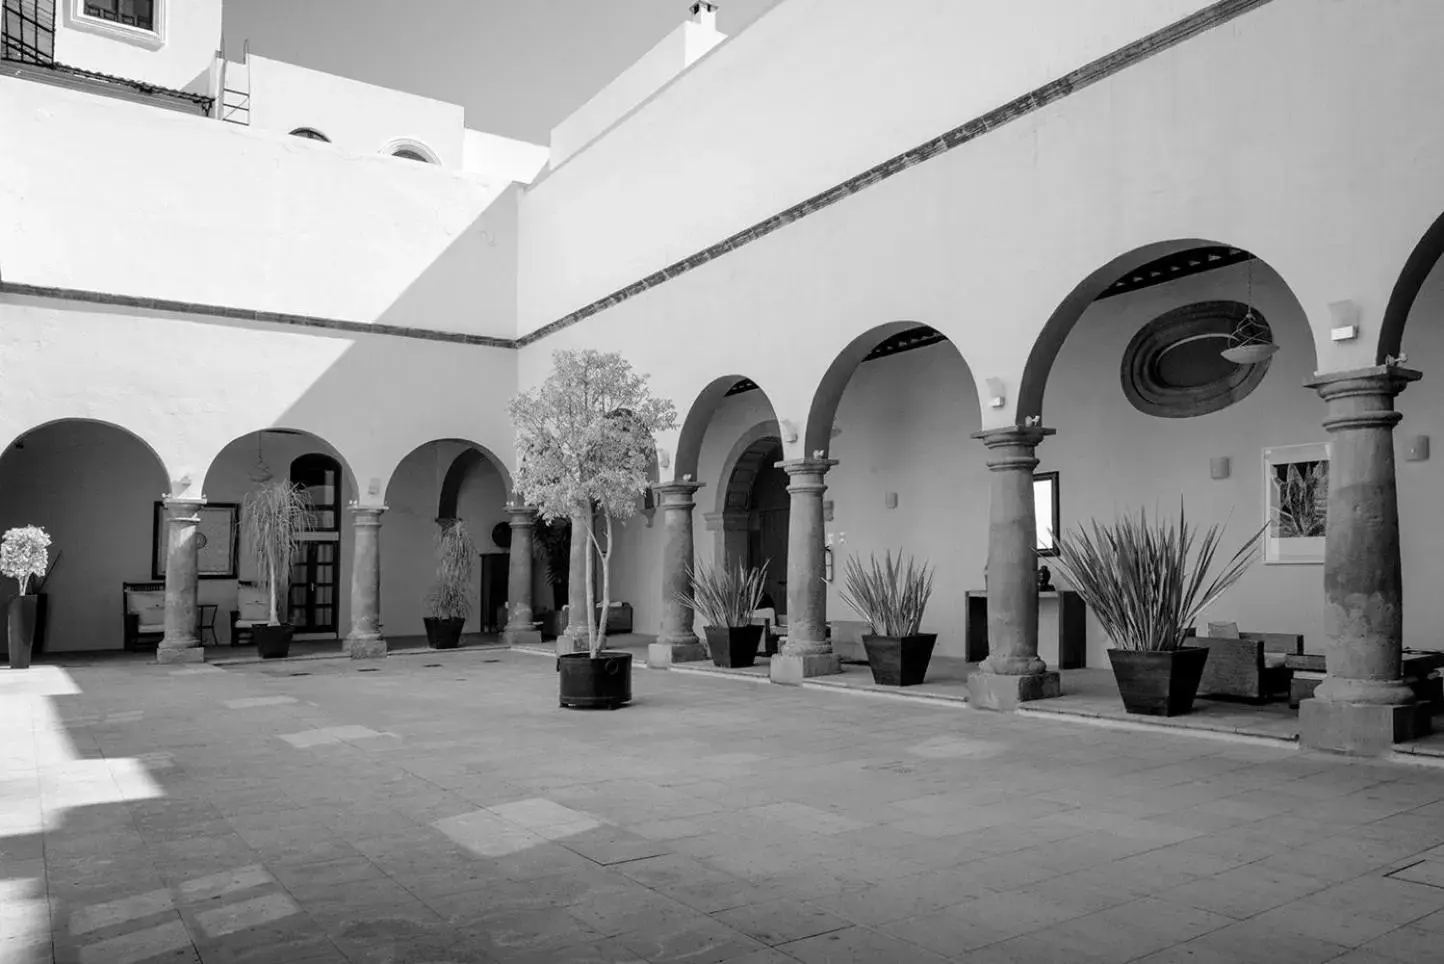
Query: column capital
(796, 467)
(183, 510)
(1014, 436)
(1387, 380)
(679, 491)
(522, 516)
(366, 515)
(182, 501)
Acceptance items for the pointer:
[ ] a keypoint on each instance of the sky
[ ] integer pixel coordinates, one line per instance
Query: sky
(516, 66)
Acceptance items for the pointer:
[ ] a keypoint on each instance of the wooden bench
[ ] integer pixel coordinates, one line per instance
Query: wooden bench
(142, 608)
(1250, 667)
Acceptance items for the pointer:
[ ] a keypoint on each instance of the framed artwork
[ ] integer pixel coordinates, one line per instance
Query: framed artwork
(1296, 503)
(1046, 513)
(217, 536)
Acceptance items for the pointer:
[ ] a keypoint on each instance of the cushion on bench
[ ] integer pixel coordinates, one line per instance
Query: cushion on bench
(149, 609)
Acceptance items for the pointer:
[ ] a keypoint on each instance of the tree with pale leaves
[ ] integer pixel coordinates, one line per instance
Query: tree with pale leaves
(585, 440)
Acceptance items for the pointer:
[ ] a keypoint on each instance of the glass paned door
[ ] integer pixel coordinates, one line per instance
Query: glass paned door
(314, 586)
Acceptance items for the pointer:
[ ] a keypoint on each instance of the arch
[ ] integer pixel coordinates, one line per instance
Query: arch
(19, 439)
(1417, 266)
(248, 455)
(472, 455)
(745, 455)
(451, 482)
(884, 339)
(1065, 316)
(410, 149)
(699, 416)
(310, 134)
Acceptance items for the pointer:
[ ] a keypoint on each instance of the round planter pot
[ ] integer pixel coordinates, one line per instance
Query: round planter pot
(603, 682)
(1158, 683)
(273, 642)
(733, 646)
(443, 633)
(21, 622)
(899, 660)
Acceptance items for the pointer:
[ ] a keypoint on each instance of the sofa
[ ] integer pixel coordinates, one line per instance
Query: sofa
(1249, 667)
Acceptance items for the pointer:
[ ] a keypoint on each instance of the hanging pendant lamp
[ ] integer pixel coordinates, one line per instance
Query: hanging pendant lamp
(1250, 342)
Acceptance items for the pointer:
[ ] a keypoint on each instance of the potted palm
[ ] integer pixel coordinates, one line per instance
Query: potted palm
(275, 513)
(585, 441)
(891, 595)
(448, 599)
(24, 555)
(1147, 581)
(726, 598)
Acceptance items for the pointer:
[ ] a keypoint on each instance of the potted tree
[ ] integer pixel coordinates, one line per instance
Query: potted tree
(24, 555)
(1146, 582)
(448, 599)
(275, 512)
(891, 595)
(585, 439)
(725, 598)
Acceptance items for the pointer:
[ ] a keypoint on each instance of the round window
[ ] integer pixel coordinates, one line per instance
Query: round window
(1173, 367)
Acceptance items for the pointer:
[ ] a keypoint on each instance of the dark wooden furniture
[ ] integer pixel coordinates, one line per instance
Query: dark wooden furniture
(1417, 671)
(206, 623)
(619, 619)
(140, 637)
(1252, 667)
(1072, 627)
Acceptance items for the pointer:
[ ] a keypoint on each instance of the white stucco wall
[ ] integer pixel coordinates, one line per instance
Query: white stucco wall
(493, 156)
(178, 54)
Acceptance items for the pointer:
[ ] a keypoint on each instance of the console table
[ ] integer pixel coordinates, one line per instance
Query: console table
(1416, 670)
(1072, 626)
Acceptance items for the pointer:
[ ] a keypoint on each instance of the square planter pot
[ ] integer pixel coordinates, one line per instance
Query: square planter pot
(733, 646)
(1158, 683)
(443, 633)
(273, 642)
(601, 683)
(899, 660)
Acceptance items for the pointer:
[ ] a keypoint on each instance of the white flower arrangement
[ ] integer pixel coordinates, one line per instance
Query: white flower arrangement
(24, 554)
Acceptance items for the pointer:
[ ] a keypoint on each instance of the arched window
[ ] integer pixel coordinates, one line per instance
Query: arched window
(411, 155)
(310, 134)
(320, 476)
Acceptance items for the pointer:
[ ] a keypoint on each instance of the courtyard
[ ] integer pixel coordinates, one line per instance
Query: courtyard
(440, 807)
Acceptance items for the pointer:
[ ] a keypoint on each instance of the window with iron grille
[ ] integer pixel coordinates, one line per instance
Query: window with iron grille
(28, 29)
(132, 13)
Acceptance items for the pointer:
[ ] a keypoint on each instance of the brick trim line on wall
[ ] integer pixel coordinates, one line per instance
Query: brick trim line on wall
(247, 314)
(1091, 73)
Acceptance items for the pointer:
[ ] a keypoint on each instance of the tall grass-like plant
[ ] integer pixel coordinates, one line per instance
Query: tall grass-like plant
(725, 596)
(455, 564)
(275, 513)
(891, 595)
(1147, 580)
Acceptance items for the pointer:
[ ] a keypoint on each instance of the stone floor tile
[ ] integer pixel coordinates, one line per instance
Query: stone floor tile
(1408, 944)
(593, 952)
(776, 922)
(700, 941)
(858, 945)
(1251, 941)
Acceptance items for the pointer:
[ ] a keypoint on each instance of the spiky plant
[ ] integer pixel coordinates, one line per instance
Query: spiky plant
(891, 595)
(1303, 501)
(455, 564)
(275, 513)
(1147, 581)
(725, 596)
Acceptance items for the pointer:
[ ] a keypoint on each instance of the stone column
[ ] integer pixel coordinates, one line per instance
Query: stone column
(365, 640)
(574, 638)
(676, 642)
(807, 651)
(520, 626)
(1362, 706)
(729, 548)
(181, 643)
(1012, 672)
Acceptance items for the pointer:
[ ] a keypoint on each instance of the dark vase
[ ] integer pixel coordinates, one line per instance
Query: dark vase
(899, 660)
(603, 682)
(42, 618)
(1161, 683)
(21, 624)
(733, 646)
(443, 633)
(273, 642)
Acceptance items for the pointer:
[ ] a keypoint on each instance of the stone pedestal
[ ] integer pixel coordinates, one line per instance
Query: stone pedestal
(676, 640)
(365, 640)
(574, 639)
(520, 629)
(807, 651)
(1363, 705)
(181, 643)
(1012, 672)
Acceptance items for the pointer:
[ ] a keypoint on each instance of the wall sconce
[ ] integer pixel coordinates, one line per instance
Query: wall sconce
(789, 431)
(1344, 324)
(1218, 468)
(373, 487)
(827, 510)
(889, 499)
(1418, 449)
(664, 459)
(997, 394)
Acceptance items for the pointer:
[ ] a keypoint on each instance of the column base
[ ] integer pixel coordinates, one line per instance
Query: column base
(521, 637)
(1360, 729)
(662, 655)
(365, 647)
(185, 653)
(996, 691)
(792, 670)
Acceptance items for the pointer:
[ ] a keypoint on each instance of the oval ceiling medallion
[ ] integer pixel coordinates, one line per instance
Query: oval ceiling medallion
(1174, 366)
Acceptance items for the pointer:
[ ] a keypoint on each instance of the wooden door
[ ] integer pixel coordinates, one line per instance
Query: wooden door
(314, 590)
(771, 548)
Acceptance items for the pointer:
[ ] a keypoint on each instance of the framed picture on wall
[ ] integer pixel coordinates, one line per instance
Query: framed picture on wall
(1045, 511)
(1296, 503)
(217, 552)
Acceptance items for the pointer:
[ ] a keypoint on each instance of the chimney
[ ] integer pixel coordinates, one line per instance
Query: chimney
(704, 12)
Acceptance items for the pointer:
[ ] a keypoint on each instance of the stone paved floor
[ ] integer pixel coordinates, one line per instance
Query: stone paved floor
(432, 809)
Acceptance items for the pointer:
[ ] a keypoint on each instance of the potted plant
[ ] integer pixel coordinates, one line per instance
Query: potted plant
(891, 596)
(585, 439)
(725, 598)
(275, 513)
(42, 609)
(448, 599)
(24, 555)
(1146, 582)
